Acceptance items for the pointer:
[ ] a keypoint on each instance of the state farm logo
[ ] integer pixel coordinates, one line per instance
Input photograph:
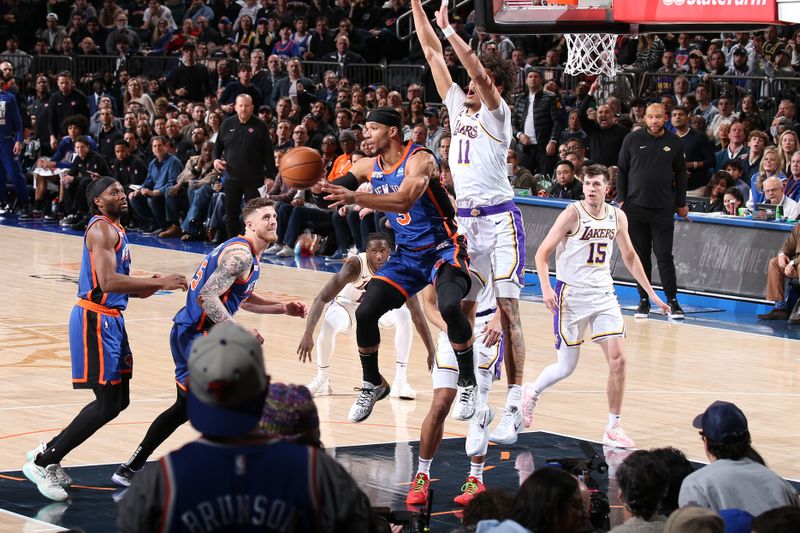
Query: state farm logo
(743, 3)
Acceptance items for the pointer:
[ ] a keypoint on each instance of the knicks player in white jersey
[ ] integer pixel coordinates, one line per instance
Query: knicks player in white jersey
(444, 374)
(480, 121)
(583, 239)
(344, 292)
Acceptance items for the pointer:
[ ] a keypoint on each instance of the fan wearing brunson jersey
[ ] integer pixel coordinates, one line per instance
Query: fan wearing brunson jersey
(342, 294)
(480, 121)
(583, 238)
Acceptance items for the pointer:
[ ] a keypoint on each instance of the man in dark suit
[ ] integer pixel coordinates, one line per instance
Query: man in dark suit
(343, 55)
(537, 123)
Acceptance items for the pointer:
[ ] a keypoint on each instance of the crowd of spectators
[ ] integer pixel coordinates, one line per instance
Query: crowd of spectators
(150, 110)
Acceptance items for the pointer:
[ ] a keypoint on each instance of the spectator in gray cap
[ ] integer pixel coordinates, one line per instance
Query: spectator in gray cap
(434, 131)
(248, 480)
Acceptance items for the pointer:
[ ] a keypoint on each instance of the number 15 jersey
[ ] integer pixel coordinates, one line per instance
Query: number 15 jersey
(583, 258)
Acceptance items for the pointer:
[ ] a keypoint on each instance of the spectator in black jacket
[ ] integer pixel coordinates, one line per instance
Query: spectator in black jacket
(190, 80)
(651, 186)
(566, 186)
(127, 168)
(87, 166)
(65, 102)
(537, 124)
(604, 137)
(244, 152)
(697, 149)
(243, 85)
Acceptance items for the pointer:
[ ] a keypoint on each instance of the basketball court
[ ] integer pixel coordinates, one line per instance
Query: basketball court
(675, 370)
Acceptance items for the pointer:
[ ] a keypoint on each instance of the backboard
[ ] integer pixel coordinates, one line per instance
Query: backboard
(526, 17)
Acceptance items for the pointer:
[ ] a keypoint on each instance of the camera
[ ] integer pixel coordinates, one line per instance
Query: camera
(412, 522)
(590, 469)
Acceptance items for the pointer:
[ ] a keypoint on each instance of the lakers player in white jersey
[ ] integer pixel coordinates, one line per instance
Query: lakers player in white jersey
(343, 292)
(480, 121)
(583, 238)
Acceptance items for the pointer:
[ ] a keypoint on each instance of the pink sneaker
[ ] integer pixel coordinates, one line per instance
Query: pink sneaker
(529, 398)
(615, 436)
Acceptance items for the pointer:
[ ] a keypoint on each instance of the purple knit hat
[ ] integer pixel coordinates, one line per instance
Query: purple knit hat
(290, 413)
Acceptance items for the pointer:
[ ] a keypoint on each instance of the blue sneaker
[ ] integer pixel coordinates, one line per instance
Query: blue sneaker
(337, 256)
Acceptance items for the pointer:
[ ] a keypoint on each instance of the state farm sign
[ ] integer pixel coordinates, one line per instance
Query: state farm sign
(695, 11)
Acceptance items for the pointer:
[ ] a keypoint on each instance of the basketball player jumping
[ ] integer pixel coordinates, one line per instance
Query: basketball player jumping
(429, 251)
(487, 215)
(223, 283)
(343, 292)
(98, 341)
(444, 374)
(583, 239)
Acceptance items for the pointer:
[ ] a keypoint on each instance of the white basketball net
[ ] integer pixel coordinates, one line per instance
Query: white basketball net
(590, 53)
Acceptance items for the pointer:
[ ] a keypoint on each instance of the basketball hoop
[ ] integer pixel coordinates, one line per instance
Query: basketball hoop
(590, 53)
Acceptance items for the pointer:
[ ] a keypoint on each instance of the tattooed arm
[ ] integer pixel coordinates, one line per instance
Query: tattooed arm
(234, 262)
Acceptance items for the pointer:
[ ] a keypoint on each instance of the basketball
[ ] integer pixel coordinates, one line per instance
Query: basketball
(301, 167)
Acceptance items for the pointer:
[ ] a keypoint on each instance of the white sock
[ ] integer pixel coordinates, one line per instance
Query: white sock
(514, 397)
(400, 375)
(322, 373)
(424, 466)
(613, 419)
(484, 380)
(476, 471)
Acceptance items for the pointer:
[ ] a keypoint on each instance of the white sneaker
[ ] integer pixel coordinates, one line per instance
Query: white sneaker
(320, 386)
(509, 427)
(466, 400)
(529, 399)
(63, 479)
(285, 251)
(615, 436)
(368, 396)
(46, 480)
(274, 249)
(402, 390)
(477, 442)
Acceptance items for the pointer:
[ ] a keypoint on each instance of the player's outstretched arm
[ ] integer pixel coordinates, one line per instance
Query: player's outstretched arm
(432, 48)
(347, 274)
(420, 324)
(256, 303)
(102, 239)
(565, 224)
(419, 168)
(359, 173)
(484, 85)
(632, 262)
(234, 261)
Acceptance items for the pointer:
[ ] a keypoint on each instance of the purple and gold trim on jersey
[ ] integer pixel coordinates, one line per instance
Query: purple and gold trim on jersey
(558, 328)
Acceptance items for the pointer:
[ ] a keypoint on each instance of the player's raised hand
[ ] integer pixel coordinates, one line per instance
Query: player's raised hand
(442, 18)
(296, 308)
(549, 298)
(305, 347)
(665, 309)
(171, 282)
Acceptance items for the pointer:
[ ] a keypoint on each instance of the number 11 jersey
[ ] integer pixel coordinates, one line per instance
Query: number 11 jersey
(583, 258)
(478, 152)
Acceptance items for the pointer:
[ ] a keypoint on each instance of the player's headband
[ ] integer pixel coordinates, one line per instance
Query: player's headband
(386, 116)
(97, 188)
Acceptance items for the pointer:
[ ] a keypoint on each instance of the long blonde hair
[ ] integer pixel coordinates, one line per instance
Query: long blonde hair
(762, 174)
(785, 157)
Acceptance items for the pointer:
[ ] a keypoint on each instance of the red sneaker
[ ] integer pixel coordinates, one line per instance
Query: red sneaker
(470, 489)
(418, 493)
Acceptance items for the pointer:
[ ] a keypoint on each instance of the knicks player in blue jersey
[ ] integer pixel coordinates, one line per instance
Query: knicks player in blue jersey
(222, 285)
(101, 357)
(429, 251)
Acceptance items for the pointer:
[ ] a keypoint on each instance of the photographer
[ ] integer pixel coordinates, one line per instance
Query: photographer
(642, 480)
